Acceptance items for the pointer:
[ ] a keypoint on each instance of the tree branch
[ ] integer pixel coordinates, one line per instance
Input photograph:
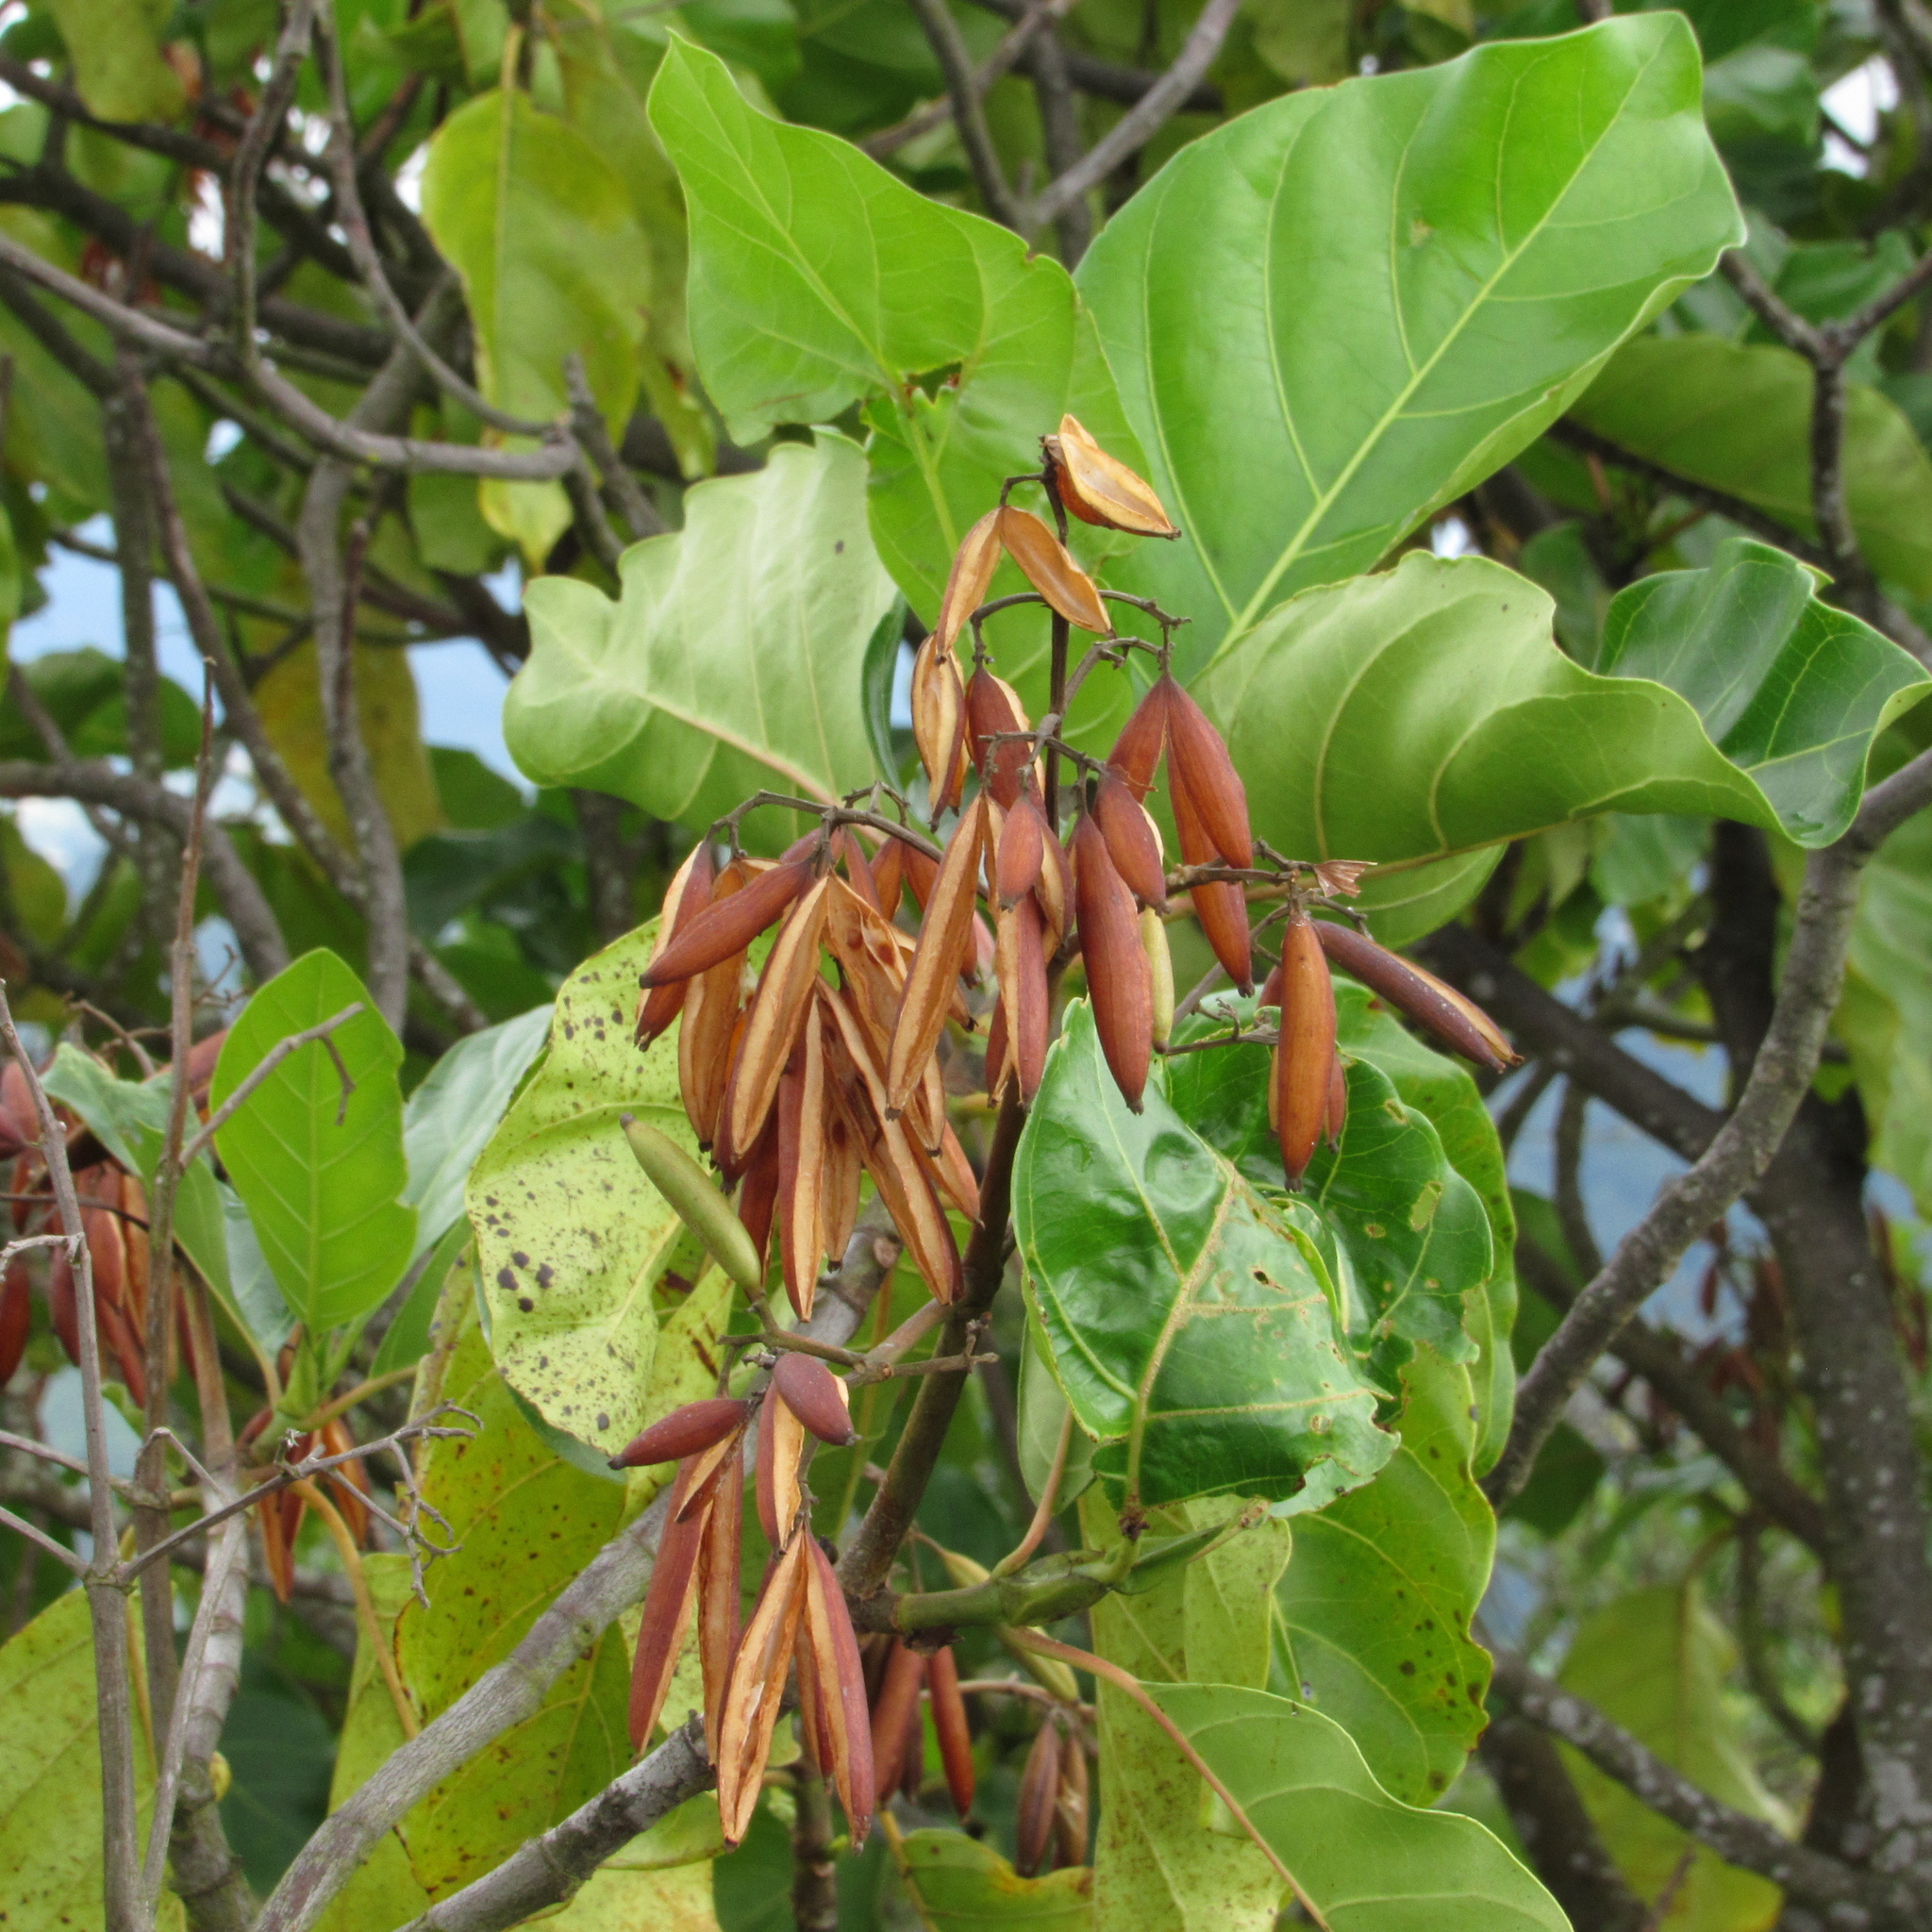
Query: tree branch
(1108, 79)
(949, 49)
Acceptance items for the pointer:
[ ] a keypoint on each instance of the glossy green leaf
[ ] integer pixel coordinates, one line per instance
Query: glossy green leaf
(1190, 1321)
(1736, 418)
(320, 1170)
(451, 1116)
(50, 1774)
(962, 1885)
(818, 279)
(1655, 1662)
(1370, 1863)
(1163, 1860)
(733, 662)
(1372, 1613)
(1349, 306)
(571, 1239)
(1425, 713)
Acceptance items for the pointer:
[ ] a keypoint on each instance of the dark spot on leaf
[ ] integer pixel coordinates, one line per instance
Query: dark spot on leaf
(506, 1280)
(1408, 1667)
(546, 1275)
(522, 1259)
(603, 1420)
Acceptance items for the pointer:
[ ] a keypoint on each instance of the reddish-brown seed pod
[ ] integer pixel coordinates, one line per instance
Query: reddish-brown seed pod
(1024, 996)
(1198, 763)
(16, 1317)
(1306, 1055)
(1270, 987)
(922, 873)
(60, 1304)
(1099, 488)
(1136, 752)
(773, 1019)
(351, 1479)
(1220, 905)
(758, 1195)
(1117, 976)
(667, 1615)
(1459, 1023)
(968, 579)
(781, 1448)
(753, 1698)
(898, 1698)
(939, 724)
(683, 1432)
(844, 1723)
(1021, 851)
(1055, 893)
(992, 712)
(803, 1126)
(1043, 558)
(719, 1582)
(1335, 1115)
(712, 1010)
(888, 876)
(944, 949)
(688, 894)
(816, 1396)
(1132, 843)
(12, 1140)
(1071, 1807)
(998, 1071)
(950, 1726)
(728, 925)
(846, 850)
(1040, 1786)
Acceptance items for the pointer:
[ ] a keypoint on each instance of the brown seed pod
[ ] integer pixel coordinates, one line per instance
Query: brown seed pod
(1459, 1023)
(16, 1317)
(943, 950)
(968, 582)
(950, 1726)
(1099, 488)
(1055, 893)
(1199, 764)
(781, 1449)
(772, 1021)
(1270, 987)
(888, 876)
(757, 1193)
(1220, 905)
(756, 1689)
(1132, 842)
(1024, 996)
(1159, 974)
(688, 894)
(897, 1700)
(999, 1068)
(728, 925)
(1117, 976)
(939, 724)
(351, 1479)
(1040, 1784)
(816, 1396)
(1068, 590)
(714, 1013)
(844, 1723)
(719, 1572)
(1136, 752)
(846, 850)
(1306, 1055)
(1071, 1806)
(1022, 852)
(802, 1108)
(992, 712)
(667, 1615)
(922, 873)
(1335, 1115)
(683, 1432)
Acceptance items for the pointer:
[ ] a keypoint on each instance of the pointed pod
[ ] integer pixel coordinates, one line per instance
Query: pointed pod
(1459, 1023)
(1305, 1057)
(1200, 765)
(1159, 974)
(696, 1202)
(846, 851)
(756, 1691)
(993, 714)
(684, 1432)
(1136, 752)
(1220, 905)
(1072, 1805)
(803, 1111)
(816, 1396)
(1335, 1115)
(728, 925)
(1021, 853)
(1023, 995)
(721, 1552)
(950, 1726)
(781, 1449)
(968, 579)
(668, 1607)
(773, 1019)
(945, 947)
(16, 1317)
(1117, 976)
(1040, 1788)
(713, 1006)
(757, 1192)
(939, 724)
(1100, 489)
(1132, 842)
(688, 894)
(888, 876)
(1048, 567)
(845, 1723)
(895, 1706)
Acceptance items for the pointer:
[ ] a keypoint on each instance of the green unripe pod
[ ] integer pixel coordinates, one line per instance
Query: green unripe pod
(696, 1201)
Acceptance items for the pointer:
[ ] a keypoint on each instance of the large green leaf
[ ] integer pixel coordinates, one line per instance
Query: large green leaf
(1425, 713)
(1370, 1863)
(451, 1116)
(1737, 418)
(1372, 1613)
(1156, 1869)
(818, 279)
(50, 1776)
(545, 236)
(1191, 1322)
(573, 1243)
(321, 1171)
(733, 660)
(119, 69)
(1657, 1662)
(961, 1885)
(1349, 305)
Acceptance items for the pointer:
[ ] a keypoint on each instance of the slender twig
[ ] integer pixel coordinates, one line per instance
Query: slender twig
(1022, 1552)
(36, 1535)
(997, 65)
(588, 420)
(351, 1559)
(956, 64)
(283, 1048)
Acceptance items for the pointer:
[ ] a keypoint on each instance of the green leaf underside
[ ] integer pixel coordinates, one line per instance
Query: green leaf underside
(1189, 1325)
(1441, 678)
(1372, 1613)
(1329, 316)
(1734, 417)
(1370, 1863)
(323, 1196)
(732, 662)
(570, 1237)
